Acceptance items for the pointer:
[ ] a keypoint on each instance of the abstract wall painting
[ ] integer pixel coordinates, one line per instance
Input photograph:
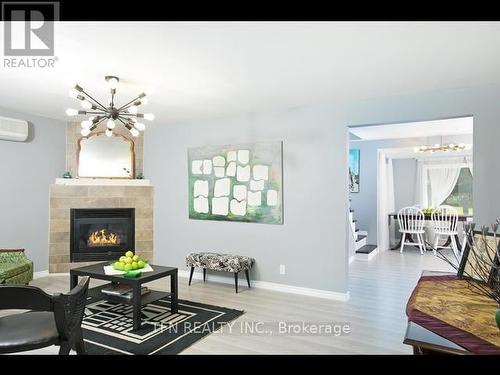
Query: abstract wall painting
(240, 182)
(354, 170)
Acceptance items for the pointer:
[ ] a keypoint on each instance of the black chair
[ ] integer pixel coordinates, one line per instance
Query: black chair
(53, 319)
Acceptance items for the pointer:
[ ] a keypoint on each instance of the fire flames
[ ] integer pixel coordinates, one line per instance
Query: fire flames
(102, 238)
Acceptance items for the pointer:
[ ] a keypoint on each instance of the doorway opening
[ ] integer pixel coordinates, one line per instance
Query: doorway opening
(421, 164)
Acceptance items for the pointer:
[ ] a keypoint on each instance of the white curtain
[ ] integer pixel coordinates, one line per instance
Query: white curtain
(385, 199)
(436, 179)
(442, 181)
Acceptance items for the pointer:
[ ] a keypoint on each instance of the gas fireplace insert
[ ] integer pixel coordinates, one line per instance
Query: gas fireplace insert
(99, 234)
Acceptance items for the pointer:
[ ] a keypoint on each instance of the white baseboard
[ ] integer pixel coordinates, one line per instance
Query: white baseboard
(319, 293)
(38, 274)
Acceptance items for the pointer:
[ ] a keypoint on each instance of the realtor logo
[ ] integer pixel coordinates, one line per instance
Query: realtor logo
(29, 28)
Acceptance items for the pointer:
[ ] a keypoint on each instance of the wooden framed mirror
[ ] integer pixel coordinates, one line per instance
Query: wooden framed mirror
(100, 156)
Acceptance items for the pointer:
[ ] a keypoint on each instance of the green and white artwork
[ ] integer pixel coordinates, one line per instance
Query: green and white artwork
(236, 182)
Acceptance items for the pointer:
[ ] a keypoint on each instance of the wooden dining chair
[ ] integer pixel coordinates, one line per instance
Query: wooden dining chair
(51, 319)
(445, 224)
(411, 222)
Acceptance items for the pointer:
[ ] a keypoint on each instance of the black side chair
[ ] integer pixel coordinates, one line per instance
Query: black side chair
(53, 319)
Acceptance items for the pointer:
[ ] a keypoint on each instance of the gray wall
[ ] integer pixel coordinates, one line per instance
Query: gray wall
(404, 171)
(311, 242)
(26, 170)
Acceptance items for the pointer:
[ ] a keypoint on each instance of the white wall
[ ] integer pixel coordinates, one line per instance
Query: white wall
(26, 171)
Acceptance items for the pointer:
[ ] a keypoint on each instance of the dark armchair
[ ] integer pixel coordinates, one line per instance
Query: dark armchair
(52, 319)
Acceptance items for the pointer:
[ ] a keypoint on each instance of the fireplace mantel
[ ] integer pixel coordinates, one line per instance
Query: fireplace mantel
(101, 182)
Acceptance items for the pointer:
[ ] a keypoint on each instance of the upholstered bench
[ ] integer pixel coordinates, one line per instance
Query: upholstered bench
(15, 267)
(220, 262)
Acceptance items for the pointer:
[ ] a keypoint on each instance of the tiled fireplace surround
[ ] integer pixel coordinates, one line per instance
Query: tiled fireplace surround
(64, 197)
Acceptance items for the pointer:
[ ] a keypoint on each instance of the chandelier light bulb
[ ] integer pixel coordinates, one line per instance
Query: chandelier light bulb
(110, 124)
(73, 94)
(140, 126)
(144, 100)
(85, 132)
(71, 112)
(113, 82)
(132, 109)
(86, 104)
(149, 116)
(86, 124)
(109, 132)
(134, 132)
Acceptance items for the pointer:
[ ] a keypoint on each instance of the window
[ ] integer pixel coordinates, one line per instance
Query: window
(461, 196)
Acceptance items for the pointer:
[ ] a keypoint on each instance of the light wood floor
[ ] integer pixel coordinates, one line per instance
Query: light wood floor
(379, 291)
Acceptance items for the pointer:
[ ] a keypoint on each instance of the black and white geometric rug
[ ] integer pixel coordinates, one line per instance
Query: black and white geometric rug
(107, 326)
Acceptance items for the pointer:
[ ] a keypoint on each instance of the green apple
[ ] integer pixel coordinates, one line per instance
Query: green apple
(117, 265)
(128, 260)
(129, 254)
(135, 265)
(128, 267)
(135, 258)
(122, 259)
(141, 264)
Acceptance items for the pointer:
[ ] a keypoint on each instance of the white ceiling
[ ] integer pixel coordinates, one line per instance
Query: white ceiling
(195, 70)
(452, 126)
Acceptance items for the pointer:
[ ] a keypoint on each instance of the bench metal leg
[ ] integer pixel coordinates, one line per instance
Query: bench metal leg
(248, 278)
(191, 275)
(236, 281)
(204, 274)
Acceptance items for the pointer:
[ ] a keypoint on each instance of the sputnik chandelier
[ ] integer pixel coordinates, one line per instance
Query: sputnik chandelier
(126, 114)
(450, 147)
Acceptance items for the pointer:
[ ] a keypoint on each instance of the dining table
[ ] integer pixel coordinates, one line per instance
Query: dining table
(393, 217)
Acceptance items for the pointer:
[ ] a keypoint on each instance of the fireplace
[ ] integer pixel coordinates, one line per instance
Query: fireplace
(101, 234)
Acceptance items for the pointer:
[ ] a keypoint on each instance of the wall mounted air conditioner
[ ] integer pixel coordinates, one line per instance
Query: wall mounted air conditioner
(13, 130)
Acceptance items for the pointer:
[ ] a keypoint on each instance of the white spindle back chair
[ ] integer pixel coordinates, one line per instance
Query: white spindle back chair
(445, 223)
(411, 221)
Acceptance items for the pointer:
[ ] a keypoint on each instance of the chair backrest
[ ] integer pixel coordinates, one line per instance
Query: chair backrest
(411, 219)
(69, 309)
(445, 219)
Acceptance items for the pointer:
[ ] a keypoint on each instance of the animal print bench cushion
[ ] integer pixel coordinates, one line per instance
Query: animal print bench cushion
(219, 262)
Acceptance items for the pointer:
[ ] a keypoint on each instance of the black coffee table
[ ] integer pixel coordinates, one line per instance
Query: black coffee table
(96, 271)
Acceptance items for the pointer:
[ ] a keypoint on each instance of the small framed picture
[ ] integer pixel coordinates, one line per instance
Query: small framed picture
(354, 170)
(478, 263)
